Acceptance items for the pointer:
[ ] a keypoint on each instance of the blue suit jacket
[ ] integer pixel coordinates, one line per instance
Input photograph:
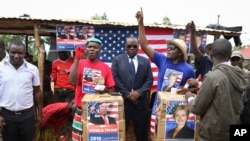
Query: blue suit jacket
(122, 76)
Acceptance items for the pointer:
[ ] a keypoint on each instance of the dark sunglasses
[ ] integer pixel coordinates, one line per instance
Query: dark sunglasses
(172, 47)
(130, 46)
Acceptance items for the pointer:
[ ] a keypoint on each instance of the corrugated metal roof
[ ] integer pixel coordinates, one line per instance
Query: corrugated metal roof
(26, 23)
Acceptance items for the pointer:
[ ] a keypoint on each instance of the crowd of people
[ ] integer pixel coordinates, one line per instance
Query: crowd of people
(67, 79)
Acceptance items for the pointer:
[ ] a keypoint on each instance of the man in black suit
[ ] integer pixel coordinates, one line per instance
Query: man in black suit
(133, 78)
(103, 118)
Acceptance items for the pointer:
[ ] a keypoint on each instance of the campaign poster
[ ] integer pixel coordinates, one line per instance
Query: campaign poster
(171, 80)
(102, 123)
(180, 122)
(90, 79)
(68, 37)
(201, 38)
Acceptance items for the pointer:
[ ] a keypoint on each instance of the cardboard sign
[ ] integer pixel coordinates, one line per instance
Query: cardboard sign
(103, 118)
(174, 120)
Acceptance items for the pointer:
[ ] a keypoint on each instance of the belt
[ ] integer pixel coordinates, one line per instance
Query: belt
(18, 112)
(64, 90)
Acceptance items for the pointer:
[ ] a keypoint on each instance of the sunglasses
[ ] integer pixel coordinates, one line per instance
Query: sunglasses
(172, 47)
(130, 46)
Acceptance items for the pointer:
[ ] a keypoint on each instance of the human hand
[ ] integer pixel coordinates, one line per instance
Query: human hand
(193, 82)
(139, 16)
(2, 123)
(134, 96)
(79, 52)
(190, 27)
(188, 95)
(182, 90)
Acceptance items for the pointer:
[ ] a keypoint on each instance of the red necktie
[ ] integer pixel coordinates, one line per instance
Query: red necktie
(105, 120)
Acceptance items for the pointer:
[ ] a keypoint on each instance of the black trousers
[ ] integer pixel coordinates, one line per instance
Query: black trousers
(140, 121)
(62, 95)
(19, 126)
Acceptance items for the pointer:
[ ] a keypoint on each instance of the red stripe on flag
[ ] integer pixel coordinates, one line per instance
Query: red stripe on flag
(158, 31)
(157, 42)
(154, 69)
(164, 50)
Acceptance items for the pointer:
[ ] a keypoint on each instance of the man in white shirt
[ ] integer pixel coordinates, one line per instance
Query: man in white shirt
(19, 93)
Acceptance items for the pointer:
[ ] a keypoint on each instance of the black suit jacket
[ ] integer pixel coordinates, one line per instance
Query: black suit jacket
(122, 76)
(100, 121)
(185, 132)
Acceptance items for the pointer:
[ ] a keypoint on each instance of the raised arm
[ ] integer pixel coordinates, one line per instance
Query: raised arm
(191, 28)
(73, 72)
(142, 37)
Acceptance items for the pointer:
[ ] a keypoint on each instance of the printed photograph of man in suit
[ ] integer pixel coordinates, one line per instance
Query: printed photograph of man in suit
(65, 32)
(81, 32)
(101, 118)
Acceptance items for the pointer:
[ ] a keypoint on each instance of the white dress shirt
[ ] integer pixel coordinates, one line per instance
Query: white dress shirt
(16, 85)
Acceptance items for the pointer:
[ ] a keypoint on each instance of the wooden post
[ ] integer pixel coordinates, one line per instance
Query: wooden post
(40, 58)
(217, 36)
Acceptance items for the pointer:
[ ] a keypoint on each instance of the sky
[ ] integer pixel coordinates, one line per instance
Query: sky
(202, 12)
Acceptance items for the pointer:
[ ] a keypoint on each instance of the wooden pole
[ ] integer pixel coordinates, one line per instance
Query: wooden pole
(40, 57)
(217, 36)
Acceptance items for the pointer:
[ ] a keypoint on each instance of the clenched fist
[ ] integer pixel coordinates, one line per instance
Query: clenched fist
(79, 52)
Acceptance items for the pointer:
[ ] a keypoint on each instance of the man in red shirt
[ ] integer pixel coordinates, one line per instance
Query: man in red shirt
(90, 76)
(63, 90)
(57, 114)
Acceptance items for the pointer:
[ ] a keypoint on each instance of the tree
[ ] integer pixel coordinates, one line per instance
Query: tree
(166, 20)
(102, 17)
(25, 16)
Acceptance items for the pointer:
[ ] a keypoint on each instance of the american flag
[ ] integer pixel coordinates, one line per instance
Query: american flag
(114, 40)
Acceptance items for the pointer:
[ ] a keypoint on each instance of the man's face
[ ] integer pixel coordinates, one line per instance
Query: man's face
(66, 29)
(16, 53)
(84, 30)
(103, 110)
(63, 55)
(132, 47)
(236, 61)
(93, 50)
(173, 52)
